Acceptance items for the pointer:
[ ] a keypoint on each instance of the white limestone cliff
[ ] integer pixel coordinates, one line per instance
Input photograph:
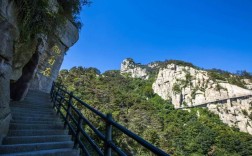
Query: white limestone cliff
(248, 83)
(130, 67)
(187, 87)
(237, 113)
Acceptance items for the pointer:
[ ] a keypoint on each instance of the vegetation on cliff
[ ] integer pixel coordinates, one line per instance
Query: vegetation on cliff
(133, 104)
(214, 74)
(44, 16)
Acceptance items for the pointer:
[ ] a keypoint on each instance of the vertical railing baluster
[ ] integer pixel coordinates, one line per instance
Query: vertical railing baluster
(51, 92)
(77, 135)
(55, 97)
(60, 103)
(107, 148)
(69, 109)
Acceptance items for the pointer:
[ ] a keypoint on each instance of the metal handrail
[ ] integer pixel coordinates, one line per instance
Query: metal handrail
(62, 100)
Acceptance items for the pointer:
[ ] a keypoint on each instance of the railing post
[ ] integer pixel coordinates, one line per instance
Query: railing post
(55, 97)
(60, 104)
(77, 136)
(108, 136)
(69, 108)
(60, 99)
(52, 89)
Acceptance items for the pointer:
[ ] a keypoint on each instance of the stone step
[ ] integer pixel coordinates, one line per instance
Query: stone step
(54, 152)
(32, 109)
(36, 129)
(37, 122)
(16, 112)
(36, 92)
(6, 149)
(37, 132)
(36, 102)
(17, 115)
(35, 139)
(35, 96)
(23, 118)
(32, 96)
(33, 106)
(26, 110)
(18, 126)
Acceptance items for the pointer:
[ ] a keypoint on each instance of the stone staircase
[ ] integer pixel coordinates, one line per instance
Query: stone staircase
(36, 130)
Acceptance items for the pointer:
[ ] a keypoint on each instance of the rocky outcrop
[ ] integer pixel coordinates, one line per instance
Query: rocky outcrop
(187, 86)
(52, 57)
(28, 64)
(248, 83)
(128, 66)
(236, 113)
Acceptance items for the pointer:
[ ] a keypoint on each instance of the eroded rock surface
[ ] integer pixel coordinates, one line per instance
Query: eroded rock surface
(237, 113)
(28, 64)
(135, 70)
(9, 33)
(187, 87)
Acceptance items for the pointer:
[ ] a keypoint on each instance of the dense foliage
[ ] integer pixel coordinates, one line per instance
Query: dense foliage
(177, 62)
(44, 16)
(132, 102)
(236, 79)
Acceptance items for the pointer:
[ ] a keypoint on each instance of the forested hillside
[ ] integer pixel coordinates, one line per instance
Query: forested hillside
(134, 105)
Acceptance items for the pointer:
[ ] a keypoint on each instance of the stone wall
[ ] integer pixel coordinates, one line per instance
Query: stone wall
(9, 34)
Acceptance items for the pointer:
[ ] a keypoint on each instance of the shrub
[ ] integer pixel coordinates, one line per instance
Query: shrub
(36, 16)
(218, 87)
(250, 116)
(236, 81)
(215, 74)
(193, 94)
(176, 88)
(244, 112)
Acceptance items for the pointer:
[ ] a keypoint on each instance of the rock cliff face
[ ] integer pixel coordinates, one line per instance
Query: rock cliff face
(236, 113)
(9, 33)
(52, 57)
(128, 66)
(23, 65)
(187, 86)
(248, 83)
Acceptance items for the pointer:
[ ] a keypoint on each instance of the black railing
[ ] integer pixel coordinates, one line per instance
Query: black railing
(64, 102)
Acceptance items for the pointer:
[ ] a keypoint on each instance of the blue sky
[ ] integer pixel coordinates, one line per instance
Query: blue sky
(207, 33)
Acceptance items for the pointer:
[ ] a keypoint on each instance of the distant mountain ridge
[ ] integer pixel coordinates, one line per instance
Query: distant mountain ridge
(186, 85)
